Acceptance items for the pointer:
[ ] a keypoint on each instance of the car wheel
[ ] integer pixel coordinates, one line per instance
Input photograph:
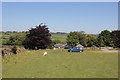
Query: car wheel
(68, 50)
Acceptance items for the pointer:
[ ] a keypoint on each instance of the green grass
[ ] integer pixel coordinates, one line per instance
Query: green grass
(61, 37)
(61, 64)
(4, 36)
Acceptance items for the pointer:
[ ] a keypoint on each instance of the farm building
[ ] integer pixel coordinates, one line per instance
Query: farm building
(60, 45)
(65, 46)
(79, 45)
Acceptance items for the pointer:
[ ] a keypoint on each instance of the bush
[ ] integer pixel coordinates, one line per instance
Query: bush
(3, 53)
(14, 50)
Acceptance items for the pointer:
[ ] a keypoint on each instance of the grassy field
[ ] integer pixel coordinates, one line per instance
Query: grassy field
(61, 37)
(61, 64)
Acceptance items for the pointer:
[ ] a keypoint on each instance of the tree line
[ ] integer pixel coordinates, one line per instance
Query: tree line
(40, 38)
(104, 39)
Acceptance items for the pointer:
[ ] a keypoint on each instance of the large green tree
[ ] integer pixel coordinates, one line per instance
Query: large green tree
(82, 38)
(38, 38)
(90, 40)
(115, 35)
(104, 38)
(72, 39)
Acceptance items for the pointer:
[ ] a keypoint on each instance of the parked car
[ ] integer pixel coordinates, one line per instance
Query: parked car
(75, 49)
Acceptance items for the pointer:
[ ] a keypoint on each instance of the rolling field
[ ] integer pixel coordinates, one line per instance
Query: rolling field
(61, 37)
(61, 64)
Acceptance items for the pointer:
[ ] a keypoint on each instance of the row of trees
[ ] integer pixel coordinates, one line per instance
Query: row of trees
(40, 38)
(105, 38)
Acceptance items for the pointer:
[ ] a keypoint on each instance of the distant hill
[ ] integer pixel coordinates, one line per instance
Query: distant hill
(61, 37)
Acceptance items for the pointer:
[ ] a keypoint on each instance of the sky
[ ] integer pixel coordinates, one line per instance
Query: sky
(91, 17)
(60, 0)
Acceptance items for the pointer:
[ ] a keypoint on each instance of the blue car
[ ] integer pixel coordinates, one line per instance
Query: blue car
(80, 49)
